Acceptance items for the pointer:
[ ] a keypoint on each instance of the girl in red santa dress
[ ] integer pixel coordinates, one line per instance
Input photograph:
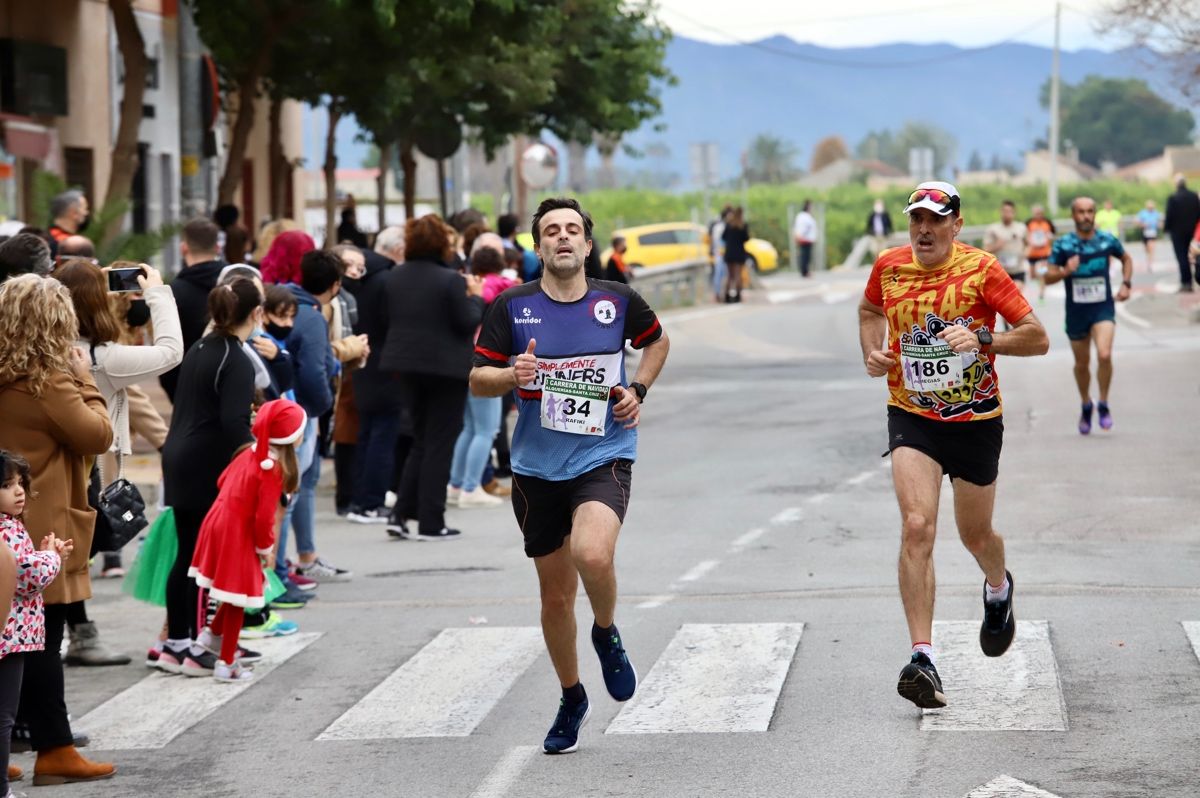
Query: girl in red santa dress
(237, 537)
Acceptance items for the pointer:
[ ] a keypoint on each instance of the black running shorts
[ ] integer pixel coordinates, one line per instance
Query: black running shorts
(967, 450)
(544, 508)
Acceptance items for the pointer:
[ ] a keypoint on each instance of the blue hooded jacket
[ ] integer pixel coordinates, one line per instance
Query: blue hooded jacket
(312, 356)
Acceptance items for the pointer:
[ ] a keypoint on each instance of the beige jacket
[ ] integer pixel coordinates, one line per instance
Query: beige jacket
(117, 366)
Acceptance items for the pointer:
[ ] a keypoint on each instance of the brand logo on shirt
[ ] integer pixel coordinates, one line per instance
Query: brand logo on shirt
(526, 313)
(605, 311)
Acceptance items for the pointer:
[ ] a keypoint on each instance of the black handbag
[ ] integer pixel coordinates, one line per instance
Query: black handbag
(121, 503)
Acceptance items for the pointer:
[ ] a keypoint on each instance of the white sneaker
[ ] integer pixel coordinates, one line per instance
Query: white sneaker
(478, 498)
(232, 673)
(453, 496)
(209, 641)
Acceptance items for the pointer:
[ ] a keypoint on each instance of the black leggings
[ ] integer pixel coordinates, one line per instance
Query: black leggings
(10, 698)
(181, 588)
(43, 695)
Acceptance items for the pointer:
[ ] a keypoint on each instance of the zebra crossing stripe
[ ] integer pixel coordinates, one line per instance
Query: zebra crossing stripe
(446, 689)
(1008, 787)
(1019, 691)
(159, 708)
(1192, 630)
(713, 678)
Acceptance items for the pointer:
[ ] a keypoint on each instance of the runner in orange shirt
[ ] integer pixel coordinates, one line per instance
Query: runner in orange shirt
(925, 322)
(1039, 238)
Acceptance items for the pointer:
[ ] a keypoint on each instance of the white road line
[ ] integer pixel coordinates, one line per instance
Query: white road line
(1128, 315)
(699, 570)
(861, 478)
(1008, 787)
(446, 689)
(742, 541)
(701, 313)
(1192, 630)
(159, 708)
(654, 602)
(834, 297)
(817, 498)
(790, 515)
(713, 678)
(506, 772)
(1017, 692)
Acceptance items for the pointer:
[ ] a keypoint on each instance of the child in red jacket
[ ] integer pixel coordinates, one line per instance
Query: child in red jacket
(237, 537)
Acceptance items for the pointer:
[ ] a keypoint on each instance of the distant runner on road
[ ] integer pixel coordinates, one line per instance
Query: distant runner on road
(575, 440)
(1081, 258)
(926, 322)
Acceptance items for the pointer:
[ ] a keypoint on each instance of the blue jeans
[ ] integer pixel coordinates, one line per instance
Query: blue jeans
(481, 422)
(720, 272)
(301, 512)
(375, 456)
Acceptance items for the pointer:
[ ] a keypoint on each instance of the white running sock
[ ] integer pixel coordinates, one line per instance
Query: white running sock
(927, 650)
(998, 593)
(175, 645)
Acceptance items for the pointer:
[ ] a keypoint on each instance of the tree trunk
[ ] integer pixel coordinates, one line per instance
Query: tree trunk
(385, 157)
(408, 165)
(577, 166)
(125, 149)
(247, 93)
(335, 115)
(278, 170)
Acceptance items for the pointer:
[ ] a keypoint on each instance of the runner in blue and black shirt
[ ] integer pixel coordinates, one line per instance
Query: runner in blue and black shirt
(1081, 258)
(559, 342)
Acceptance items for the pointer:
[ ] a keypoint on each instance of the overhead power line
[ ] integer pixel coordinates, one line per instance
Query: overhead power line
(853, 64)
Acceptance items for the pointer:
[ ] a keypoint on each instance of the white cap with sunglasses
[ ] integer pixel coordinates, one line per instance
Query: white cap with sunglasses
(941, 198)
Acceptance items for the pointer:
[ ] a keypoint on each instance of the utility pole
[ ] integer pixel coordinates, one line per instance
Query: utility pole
(1052, 188)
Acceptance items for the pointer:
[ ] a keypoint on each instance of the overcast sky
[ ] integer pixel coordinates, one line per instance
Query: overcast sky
(856, 23)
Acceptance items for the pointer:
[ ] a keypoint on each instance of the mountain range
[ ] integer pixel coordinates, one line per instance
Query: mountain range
(728, 94)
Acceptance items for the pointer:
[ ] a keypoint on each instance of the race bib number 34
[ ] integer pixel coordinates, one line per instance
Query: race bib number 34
(934, 367)
(579, 408)
(1089, 290)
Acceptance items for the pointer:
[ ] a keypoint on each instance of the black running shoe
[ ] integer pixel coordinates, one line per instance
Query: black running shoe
(999, 623)
(619, 675)
(920, 683)
(563, 737)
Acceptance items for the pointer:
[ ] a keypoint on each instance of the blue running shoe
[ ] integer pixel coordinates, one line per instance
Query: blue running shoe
(563, 737)
(619, 675)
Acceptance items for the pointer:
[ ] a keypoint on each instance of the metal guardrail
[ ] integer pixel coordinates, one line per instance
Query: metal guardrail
(673, 285)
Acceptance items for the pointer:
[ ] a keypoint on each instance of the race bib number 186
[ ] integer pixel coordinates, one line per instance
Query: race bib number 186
(933, 367)
(580, 408)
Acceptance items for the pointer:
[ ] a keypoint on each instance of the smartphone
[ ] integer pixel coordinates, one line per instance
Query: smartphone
(125, 280)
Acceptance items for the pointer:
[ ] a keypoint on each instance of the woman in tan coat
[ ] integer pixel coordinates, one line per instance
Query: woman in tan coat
(52, 414)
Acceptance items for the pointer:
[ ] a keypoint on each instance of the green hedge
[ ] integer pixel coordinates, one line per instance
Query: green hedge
(846, 207)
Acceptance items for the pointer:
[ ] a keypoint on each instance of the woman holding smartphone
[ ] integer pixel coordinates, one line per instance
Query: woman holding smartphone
(115, 367)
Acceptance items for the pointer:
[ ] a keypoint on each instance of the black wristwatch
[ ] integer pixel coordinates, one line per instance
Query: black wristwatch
(640, 390)
(985, 339)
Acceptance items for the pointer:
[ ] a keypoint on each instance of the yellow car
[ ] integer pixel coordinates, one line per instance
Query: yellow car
(653, 245)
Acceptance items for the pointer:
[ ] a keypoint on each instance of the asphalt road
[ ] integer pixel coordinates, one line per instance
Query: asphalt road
(757, 574)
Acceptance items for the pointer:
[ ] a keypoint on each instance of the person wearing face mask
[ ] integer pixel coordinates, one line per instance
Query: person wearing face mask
(69, 211)
(279, 315)
(351, 351)
(119, 362)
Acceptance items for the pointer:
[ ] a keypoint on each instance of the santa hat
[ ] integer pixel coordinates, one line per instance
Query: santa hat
(280, 422)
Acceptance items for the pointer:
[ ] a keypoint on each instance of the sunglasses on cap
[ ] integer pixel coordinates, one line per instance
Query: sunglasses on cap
(935, 195)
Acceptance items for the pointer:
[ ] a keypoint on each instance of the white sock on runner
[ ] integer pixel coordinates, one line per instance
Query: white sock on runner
(998, 593)
(926, 649)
